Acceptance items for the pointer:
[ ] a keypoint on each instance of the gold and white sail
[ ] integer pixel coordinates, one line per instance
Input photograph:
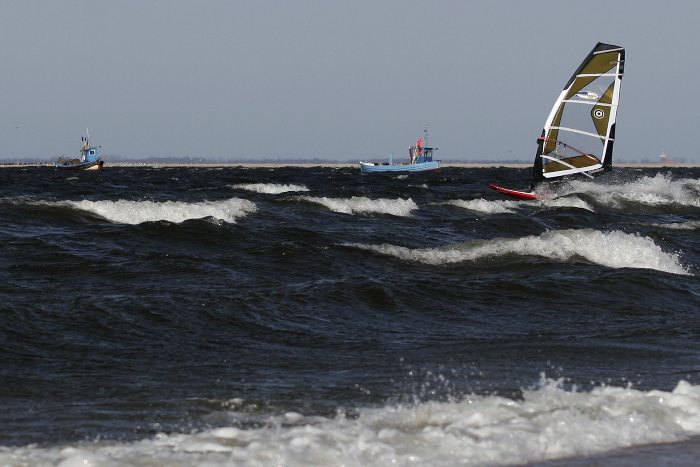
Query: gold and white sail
(578, 136)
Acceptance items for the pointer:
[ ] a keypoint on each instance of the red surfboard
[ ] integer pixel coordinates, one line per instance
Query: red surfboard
(526, 195)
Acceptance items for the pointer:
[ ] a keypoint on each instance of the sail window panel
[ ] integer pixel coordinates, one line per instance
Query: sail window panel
(586, 120)
(575, 139)
(580, 151)
(577, 124)
(577, 149)
(579, 162)
(588, 87)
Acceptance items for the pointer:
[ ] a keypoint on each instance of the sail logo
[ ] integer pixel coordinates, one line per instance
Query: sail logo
(598, 113)
(588, 95)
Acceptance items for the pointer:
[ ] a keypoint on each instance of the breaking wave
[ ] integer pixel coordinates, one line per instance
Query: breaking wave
(136, 212)
(269, 188)
(363, 205)
(660, 190)
(548, 422)
(689, 225)
(612, 249)
(485, 206)
(507, 206)
(567, 202)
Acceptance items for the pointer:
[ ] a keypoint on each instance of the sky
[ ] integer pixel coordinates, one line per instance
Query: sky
(334, 80)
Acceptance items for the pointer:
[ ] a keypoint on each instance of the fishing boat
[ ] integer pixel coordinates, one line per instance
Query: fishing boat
(420, 159)
(89, 157)
(579, 133)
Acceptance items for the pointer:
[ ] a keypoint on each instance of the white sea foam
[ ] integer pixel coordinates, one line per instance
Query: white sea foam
(362, 205)
(612, 249)
(547, 423)
(689, 225)
(485, 206)
(567, 202)
(136, 212)
(269, 188)
(660, 190)
(508, 206)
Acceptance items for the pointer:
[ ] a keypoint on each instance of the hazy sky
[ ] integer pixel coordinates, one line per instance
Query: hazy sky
(343, 80)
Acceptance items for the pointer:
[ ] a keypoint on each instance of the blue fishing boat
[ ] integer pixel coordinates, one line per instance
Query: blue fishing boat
(420, 159)
(89, 158)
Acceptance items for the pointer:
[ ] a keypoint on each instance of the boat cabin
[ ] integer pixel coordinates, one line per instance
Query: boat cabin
(419, 154)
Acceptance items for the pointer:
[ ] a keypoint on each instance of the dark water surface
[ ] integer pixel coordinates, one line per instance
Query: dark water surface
(279, 316)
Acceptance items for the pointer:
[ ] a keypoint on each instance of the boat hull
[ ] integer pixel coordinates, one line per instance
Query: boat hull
(92, 165)
(367, 167)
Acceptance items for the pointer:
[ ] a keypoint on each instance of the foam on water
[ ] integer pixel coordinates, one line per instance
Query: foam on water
(549, 422)
(485, 206)
(269, 188)
(567, 202)
(688, 225)
(136, 212)
(660, 190)
(508, 206)
(612, 249)
(363, 205)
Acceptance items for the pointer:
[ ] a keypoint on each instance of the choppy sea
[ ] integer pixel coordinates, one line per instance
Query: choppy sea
(319, 316)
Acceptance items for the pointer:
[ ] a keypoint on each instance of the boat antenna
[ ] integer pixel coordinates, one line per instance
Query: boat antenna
(427, 134)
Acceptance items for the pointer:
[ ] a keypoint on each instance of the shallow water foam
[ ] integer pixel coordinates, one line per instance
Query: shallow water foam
(549, 422)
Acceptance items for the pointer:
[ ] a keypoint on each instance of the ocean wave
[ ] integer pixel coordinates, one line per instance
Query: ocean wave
(660, 190)
(612, 249)
(567, 202)
(269, 188)
(363, 205)
(507, 206)
(136, 212)
(688, 225)
(548, 422)
(485, 206)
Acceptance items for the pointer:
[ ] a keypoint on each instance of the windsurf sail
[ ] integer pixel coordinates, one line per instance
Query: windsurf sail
(579, 133)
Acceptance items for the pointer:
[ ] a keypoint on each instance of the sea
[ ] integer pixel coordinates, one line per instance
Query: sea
(287, 316)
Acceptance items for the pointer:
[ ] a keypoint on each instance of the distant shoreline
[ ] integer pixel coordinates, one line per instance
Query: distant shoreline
(262, 165)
